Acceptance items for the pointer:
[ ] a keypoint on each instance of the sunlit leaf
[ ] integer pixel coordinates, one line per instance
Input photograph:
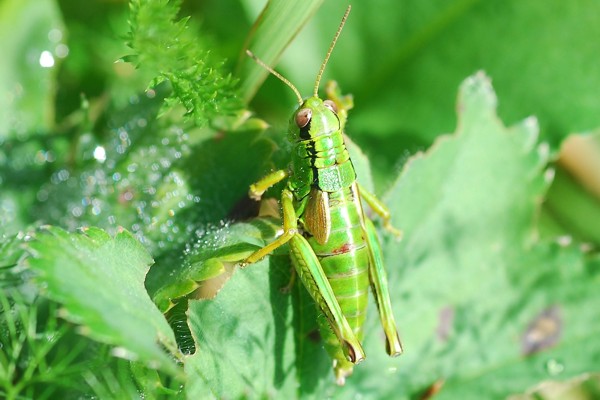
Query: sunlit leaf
(471, 278)
(99, 280)
(471, 285)
(164, 45)
(274, 29)
(207, 258)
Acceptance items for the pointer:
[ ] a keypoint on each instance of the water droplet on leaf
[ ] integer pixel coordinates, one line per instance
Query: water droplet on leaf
(46, 59)
(554, 367)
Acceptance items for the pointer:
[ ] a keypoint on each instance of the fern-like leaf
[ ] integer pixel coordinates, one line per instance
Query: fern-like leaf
(165, 47)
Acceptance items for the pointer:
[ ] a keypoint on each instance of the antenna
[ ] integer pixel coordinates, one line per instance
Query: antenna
(335, 38)
(277, 74)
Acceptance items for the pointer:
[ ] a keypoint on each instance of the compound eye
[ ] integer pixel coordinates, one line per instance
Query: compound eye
(331, 105)
(303, 117)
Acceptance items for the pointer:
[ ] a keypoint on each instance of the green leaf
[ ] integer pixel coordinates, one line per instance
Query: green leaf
(30, 33)
(208, 256)
(471, 281)
(100, 282)
(166, 47)
(476, 295)
(11, 252)
(245, 337)
(279, 22)
(533, 329)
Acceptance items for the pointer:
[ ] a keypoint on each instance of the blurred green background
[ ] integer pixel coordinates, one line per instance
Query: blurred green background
(81, 145)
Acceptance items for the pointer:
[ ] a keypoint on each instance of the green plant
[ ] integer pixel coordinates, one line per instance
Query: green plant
(493, 285)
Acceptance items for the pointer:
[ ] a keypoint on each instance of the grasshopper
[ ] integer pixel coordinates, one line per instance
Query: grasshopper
(333, 245)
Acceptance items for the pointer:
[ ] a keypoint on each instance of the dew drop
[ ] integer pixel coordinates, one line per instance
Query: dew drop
(55, 35)
(549, 175)
(531, 122)
(128, 195)
(40, 157)
(62, 50)
(123, 135)
(165, 163)
(121, 352)
(88, 181)
(100, 154)
(62, 175)
(554, 367)
(42, 195)
(46, 59)
(544, 150)
(564, 240)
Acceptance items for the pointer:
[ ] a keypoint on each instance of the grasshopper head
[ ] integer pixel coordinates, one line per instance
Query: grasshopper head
(314, 118)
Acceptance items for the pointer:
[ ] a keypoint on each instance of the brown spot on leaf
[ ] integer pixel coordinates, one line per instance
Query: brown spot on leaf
(432, 390)
(446, 318)
(543, 332)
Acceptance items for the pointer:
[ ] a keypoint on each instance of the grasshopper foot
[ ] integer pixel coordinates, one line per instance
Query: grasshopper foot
(394, 231)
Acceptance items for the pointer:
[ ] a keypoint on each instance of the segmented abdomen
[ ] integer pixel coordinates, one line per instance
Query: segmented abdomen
(345, 259)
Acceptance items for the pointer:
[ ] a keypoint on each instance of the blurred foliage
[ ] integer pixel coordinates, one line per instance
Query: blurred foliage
(166, 46)
(135, 117)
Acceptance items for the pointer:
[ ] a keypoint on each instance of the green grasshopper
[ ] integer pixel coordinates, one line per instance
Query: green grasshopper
(333, 245)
